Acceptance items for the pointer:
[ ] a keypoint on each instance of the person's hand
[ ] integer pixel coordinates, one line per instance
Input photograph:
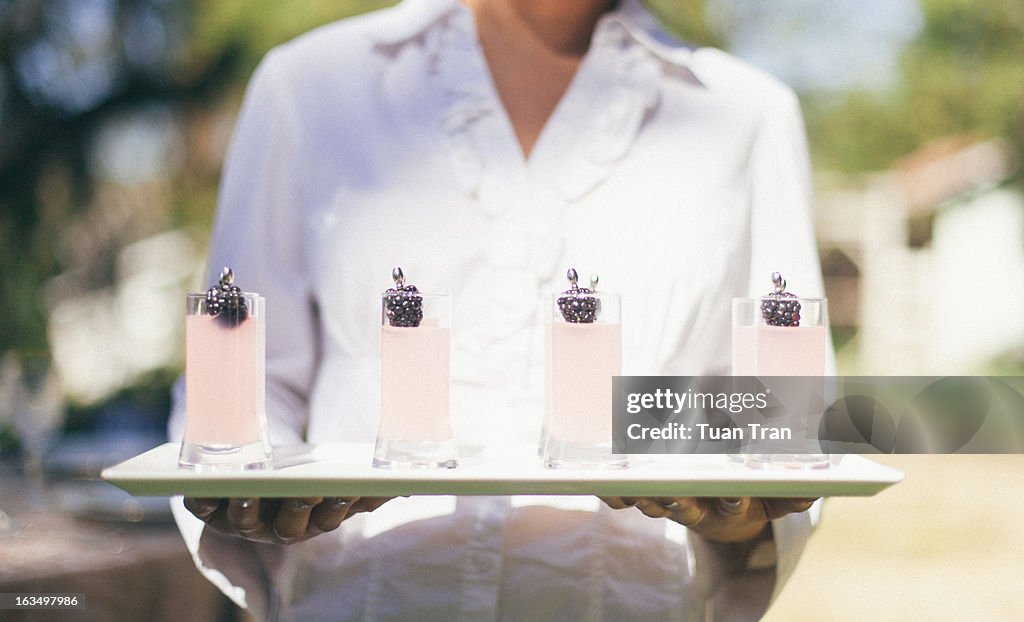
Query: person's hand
(279, 521)
(727, 520)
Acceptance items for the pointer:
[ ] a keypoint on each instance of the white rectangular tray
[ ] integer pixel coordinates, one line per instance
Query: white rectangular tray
(338, 469)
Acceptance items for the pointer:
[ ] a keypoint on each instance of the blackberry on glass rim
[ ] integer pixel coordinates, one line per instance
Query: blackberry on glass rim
(577, 304)
(404, 304)
(780, 308)
(225, 301)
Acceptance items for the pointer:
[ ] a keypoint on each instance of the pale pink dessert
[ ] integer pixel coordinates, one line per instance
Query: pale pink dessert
(414, 390)
(583, 358)
(224, 382)
(761, 350)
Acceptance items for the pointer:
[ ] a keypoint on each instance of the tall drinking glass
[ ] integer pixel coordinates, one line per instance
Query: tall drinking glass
(415, 424)
(783, 335)
(225, 395)
(548, 400)
(585, 355)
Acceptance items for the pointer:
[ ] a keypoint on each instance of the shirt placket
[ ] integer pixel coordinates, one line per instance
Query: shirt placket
(481, 571)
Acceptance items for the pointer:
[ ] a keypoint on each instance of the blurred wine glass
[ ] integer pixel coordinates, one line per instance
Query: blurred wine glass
(9, 378)
(38, 413)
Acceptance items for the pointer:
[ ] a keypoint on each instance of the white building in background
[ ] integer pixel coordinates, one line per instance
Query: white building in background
(938, 249)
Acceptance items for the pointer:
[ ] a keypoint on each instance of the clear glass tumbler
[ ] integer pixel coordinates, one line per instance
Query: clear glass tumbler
(585, 355)
(225, 394)
(763, 348)
(415, 423)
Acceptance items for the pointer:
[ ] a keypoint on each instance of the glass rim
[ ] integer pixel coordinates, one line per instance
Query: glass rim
(586, 294)
(422, 293)
(203, 295)
(760, 298)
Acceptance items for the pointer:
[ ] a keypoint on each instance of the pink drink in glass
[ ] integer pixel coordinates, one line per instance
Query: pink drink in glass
(415, 424)
(759, 349)
(584, 356)
(225, 395)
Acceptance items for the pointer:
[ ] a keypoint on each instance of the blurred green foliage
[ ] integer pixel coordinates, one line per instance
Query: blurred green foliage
(688, 21)
(67, 68)
(964, 73)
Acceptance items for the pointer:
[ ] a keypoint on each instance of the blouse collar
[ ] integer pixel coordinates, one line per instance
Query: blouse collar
(418, 16)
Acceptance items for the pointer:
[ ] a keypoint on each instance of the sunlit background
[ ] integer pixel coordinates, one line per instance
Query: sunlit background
(114, 119)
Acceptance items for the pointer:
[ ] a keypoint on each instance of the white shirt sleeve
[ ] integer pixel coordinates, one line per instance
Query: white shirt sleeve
(258, 233)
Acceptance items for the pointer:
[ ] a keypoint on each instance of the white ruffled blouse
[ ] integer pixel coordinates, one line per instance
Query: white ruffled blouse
(679, 175)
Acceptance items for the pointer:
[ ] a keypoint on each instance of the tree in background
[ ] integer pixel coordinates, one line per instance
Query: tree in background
(964, 73)
(70, 67)
(66, 67)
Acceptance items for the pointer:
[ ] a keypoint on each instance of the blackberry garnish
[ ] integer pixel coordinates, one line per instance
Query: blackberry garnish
(780, 308)
(578, 305)
(403, 303)
(225, 301)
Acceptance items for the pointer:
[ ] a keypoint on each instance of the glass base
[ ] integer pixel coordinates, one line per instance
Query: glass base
(218, 457)
(788, 461)
(397, 454)
(543, 440)
(569, 455)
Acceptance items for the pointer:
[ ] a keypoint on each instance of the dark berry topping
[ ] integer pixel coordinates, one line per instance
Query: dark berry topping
(780, 308)
(225, 301)
(403, 303)
(579, 305)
